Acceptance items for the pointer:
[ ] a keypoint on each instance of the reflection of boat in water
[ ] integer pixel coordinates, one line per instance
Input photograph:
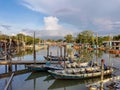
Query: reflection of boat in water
(69, 83)
(49, 78)
(34, 75)
(111, 83)
(36, 67)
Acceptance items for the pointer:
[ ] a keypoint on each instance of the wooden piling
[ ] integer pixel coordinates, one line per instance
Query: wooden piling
(60, 51)
(102, 74)
(64, 51)
(34, 51)
(47, 50)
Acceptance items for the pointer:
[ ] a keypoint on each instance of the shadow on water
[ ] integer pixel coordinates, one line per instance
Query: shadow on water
(36, 74)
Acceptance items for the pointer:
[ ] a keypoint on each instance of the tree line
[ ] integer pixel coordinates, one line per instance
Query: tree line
(90, 37)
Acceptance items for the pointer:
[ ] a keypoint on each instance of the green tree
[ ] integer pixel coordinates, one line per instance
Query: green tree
(68, 38)
(85, 37)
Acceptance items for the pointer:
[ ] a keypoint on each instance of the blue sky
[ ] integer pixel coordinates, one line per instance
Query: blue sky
(59, 17)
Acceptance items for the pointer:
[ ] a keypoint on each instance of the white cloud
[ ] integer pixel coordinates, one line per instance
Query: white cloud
(51, 23)
(53, 28)
(79, 13)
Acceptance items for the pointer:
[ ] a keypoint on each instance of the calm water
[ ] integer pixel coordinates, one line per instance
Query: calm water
(43, 81)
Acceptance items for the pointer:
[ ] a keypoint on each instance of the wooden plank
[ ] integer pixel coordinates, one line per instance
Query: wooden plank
(25, 62)
(8, 83)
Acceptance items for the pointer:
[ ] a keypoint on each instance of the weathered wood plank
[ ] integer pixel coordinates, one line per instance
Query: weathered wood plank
(25, 62)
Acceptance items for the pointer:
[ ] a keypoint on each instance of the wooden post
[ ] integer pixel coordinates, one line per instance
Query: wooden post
(64, 56)
(18, 44)
(102, 74)
(57, 51)
(97, 48)
(34, 52)
(60, 51)
(64, 51)
(5, 50)
(47, 51)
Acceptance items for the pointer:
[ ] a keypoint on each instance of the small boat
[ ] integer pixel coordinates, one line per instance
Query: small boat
(47, 66)
(54, 67)
(77, 73)
(52, 58)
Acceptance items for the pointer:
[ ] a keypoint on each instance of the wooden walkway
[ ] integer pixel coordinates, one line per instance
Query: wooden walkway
(25, 62)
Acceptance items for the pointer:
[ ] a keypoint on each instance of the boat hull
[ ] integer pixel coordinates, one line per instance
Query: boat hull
(78, 76)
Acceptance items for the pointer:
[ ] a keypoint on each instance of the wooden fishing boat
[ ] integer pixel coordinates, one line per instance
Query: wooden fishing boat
(54, 67)
(47, 66)
(52, 58)
(77, 73)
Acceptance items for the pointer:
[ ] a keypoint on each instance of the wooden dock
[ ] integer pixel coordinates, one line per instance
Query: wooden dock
(25, 62)
(19, 72)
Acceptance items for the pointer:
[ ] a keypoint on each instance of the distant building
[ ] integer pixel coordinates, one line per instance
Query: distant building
(112, 44)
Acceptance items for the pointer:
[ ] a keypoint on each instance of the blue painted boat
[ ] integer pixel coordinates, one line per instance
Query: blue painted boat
(47, 66)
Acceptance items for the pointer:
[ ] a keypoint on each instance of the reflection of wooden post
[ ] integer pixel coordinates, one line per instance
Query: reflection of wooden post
(10, 64)
(5, 68)
(16, 67)
(35, 84)
(102, 74)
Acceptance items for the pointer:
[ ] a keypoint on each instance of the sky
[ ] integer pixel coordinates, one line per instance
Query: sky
(56, 18)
